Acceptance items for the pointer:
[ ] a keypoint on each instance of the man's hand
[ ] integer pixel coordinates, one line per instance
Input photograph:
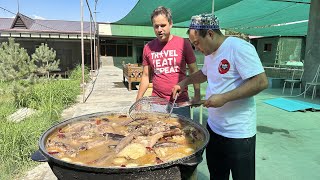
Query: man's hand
(176, 90)
(215, 100)
(196, 99)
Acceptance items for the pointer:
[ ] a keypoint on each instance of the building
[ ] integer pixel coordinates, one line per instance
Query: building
(115, 43)
(280, 50)
(124, 43)
(63, 36)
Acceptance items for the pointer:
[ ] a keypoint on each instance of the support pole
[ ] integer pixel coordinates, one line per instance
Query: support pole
(91, 60)
(95, 35)
(312, 52)
(212, 8)
(82, 53)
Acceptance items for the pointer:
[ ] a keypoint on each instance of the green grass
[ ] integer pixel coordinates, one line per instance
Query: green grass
(7, 107)
(19, 140)
(51, 95)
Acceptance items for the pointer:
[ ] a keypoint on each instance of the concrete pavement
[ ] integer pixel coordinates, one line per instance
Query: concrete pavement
(108, 93)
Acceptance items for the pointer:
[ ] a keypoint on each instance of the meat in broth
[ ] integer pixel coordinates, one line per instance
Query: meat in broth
(116, 141)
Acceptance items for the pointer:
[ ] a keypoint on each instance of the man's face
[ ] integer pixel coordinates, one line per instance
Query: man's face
(202, 44)
(161, 27)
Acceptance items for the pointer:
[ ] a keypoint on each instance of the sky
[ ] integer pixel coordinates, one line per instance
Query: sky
(107, 10)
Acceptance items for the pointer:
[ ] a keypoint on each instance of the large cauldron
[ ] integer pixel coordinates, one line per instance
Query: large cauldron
(179, 169)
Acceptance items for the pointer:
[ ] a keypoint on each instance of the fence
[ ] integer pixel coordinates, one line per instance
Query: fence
(277, 75)
(284, 72)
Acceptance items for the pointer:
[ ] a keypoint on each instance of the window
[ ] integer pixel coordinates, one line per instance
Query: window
(103, 50)
(111, 50)
(129, 51)
(122, 50)
(116, 48)
(267, 47)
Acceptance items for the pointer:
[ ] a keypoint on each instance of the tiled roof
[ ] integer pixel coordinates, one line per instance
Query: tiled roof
(60, 26)
(38, 25)
(5, 23)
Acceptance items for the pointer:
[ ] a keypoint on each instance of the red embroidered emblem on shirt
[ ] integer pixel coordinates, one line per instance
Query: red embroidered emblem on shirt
(224, 66)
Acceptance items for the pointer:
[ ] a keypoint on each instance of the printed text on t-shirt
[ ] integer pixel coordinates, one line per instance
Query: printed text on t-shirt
(165, 61)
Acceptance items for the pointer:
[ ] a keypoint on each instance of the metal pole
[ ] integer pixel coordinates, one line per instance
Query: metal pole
(18, 6)
(212, 9)
(91, 44)
(82, 52)
(95, 31)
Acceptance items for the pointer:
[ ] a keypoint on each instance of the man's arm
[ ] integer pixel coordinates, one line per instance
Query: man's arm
(195, 78)
(144, 83)
(250, 88)
(193, 69)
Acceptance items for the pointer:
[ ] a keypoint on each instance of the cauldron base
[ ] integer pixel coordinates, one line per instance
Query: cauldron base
(170, 173)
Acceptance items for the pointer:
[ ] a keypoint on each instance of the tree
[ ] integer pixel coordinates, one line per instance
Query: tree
(15, 62)
(237, 34)
(45, 59)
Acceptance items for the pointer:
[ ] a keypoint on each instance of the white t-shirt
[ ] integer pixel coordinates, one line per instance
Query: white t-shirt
(226, 69)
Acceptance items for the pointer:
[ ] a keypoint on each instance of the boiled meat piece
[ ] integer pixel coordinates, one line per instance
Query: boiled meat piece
(133, 151)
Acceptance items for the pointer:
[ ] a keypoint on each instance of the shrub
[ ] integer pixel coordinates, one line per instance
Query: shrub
(15, 62)
(45, 59)
(76, 73)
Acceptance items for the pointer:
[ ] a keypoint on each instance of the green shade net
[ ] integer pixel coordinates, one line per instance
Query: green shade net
(284, 30)
(263, 18)
(182, 10)
(253, 17)
(258, 17)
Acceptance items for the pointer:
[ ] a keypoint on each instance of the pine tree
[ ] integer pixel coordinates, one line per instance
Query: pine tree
(45, 59)
(15, 62)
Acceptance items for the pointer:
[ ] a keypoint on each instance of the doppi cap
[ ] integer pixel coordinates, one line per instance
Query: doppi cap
(204, 21)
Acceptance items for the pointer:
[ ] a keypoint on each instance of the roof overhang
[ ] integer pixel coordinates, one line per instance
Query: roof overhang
(107, 29)
(16, 34)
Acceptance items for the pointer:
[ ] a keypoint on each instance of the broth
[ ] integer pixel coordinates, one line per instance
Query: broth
(115, 141)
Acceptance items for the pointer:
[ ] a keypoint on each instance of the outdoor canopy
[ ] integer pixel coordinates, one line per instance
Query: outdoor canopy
(182, 10)
(253, 17)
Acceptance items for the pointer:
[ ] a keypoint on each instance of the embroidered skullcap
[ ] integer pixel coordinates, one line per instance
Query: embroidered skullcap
(204, 21)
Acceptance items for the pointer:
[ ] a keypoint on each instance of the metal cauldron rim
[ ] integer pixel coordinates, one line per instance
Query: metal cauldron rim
(185, 161)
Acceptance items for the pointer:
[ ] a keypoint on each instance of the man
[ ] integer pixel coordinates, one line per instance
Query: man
(165, 59)
(234, 74)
